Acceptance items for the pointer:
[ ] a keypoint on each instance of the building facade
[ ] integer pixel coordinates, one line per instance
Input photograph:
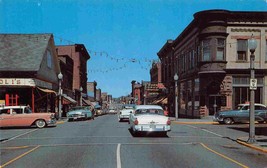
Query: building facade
(28, 71)
(80, 56)
(212, 60)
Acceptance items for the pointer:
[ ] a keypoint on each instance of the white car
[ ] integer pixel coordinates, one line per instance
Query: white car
(124, 114)
(149, 118)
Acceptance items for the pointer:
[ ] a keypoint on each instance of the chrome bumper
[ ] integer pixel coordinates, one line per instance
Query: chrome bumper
(152, 128)
(52, 122)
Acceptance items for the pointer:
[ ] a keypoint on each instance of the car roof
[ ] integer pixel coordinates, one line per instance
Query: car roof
(148, 107)
(7, 107)
(247, 104)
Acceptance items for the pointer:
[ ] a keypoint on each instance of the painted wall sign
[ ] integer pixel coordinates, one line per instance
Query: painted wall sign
(24, 82)
(16, 82)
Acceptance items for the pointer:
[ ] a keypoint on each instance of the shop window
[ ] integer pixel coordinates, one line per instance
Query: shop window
(12, 99)
(242, 50)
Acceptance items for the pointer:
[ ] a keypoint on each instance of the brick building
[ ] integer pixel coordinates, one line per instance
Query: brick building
(212, 60)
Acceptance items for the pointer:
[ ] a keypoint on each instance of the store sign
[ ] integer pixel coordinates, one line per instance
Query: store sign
(16, 82)
(24, 82)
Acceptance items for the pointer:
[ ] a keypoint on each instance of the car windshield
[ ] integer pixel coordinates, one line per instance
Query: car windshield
(241, 107)
(128, 106)
(76, 108)
(149, 111)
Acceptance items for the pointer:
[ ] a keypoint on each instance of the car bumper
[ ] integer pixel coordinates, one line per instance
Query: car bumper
(76, 117)
(124, 116)
(152, 128)
(217, 119)
(52, 122)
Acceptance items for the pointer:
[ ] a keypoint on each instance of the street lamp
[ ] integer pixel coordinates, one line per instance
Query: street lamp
(252, 45)
(60, 77)
(176, 95)
(81, 101)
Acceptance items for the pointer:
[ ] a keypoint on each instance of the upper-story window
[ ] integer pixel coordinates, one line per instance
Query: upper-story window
(49, 59)
(266, 51)
(220, 49)
(206, 55)
(242, 47)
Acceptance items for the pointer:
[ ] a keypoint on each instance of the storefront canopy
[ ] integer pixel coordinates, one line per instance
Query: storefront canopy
(68, 100)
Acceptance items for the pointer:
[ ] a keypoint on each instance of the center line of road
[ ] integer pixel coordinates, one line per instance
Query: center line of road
(20, 156)
(119, 156)
(19, 136)
(223, 156)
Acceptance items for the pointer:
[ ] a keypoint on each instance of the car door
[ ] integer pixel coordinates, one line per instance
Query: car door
(260, 113)
(5, 118)
(244, 114)
(18, 117)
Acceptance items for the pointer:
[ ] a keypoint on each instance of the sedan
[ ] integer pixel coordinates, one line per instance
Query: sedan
(19, 116)
(149, 118)
(124, 113)
(241, 114)
(80, 113)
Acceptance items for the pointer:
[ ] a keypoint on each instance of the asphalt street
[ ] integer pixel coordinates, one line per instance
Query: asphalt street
(105, 142)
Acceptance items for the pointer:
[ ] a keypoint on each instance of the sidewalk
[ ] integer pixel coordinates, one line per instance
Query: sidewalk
(259, 145)
(204, 120)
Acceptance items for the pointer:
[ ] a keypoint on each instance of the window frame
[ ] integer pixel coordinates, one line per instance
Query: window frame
(242, 53)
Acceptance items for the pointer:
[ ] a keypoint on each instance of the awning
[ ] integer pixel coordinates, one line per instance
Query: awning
(47, 90)
(68, 100)
(97, 106)
(87, 102)
(161, 100)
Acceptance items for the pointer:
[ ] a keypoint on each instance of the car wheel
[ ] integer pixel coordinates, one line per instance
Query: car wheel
(228, 120)
(40, 123)
(220, 122)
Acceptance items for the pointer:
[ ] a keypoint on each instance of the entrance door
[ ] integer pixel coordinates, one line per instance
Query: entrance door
(214, 104)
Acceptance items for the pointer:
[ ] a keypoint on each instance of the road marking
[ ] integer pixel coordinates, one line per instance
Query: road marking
(16, 147)
(20, 156)
(223, 156)
(212, 132)
(19, 135)
(119, 156)
(206, 130)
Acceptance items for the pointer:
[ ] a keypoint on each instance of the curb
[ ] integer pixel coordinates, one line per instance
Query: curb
(60, 122)
(191, 122)
(251, 146)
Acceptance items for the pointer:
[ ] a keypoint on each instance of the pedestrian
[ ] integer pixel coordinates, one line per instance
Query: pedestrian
(166, 112)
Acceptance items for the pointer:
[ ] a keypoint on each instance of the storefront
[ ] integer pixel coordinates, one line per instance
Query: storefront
(27, 91)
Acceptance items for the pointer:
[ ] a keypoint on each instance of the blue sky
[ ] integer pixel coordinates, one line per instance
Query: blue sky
(122, 36)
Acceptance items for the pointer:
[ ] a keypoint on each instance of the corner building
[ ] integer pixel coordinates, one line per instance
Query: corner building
(212, 60)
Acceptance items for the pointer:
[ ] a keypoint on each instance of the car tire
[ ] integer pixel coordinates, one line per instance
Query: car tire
(40, 123)
(228, 121)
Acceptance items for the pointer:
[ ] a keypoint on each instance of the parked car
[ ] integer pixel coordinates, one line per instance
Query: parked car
(149, 118)
(18, 116)
(124, 113)
(98, 110)
(241, 114)
(80, 113)
(111, 111)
